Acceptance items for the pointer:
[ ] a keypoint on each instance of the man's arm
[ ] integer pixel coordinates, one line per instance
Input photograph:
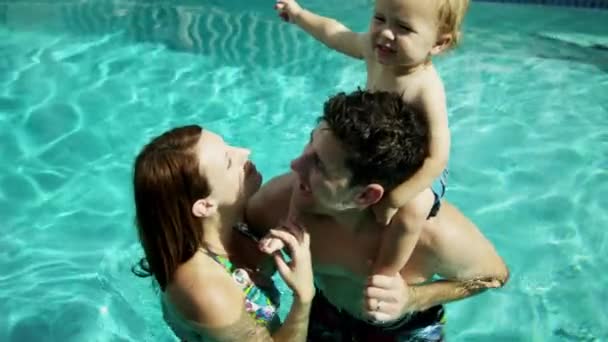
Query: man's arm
(438, 292)
(464, 258)
(461, 255)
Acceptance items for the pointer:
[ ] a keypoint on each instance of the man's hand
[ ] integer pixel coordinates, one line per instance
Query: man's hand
(387, 298)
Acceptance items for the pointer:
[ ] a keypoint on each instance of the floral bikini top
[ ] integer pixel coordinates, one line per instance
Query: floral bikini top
(262, 297)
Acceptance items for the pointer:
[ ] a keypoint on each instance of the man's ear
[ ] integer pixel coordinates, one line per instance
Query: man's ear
(204, 207)
(444, 41)
(370, 195)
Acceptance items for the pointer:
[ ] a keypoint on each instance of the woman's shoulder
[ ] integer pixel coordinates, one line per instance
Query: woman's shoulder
(203, 292)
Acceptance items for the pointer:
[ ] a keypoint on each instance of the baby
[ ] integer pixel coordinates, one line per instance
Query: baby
(403, 37)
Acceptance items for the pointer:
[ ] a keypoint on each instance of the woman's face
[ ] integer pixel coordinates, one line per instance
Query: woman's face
(229, 173)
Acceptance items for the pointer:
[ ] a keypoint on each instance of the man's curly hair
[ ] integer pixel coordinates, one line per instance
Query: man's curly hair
(386, 140)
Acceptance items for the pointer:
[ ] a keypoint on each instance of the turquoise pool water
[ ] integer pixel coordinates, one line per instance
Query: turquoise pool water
(83, 85)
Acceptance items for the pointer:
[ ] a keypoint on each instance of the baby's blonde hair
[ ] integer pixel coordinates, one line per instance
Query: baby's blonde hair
(451, 14)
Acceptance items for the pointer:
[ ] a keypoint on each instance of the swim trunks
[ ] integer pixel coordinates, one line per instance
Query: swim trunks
(439, 187)
(330, 324)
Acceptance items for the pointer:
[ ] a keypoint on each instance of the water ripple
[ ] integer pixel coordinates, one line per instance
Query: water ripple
(88, 83)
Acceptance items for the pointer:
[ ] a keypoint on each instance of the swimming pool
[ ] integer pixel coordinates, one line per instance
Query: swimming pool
(84, 84)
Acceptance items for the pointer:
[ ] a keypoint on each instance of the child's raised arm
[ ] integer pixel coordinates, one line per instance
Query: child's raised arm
(327, 30)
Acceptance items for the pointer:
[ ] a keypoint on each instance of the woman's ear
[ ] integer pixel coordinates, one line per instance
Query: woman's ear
(204, 207)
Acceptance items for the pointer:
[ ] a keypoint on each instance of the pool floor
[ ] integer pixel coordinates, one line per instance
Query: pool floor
(83, 85)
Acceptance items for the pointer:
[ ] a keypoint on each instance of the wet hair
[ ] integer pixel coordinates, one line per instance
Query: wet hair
(451, 15)
(386, 140)
(166, 183)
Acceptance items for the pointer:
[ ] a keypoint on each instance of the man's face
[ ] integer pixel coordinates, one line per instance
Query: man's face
(323, 181)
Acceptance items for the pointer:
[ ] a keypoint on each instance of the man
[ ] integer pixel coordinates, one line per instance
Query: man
(364, 144)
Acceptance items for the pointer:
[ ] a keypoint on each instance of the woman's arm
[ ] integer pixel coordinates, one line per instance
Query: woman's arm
(215, 306)
(214, 309)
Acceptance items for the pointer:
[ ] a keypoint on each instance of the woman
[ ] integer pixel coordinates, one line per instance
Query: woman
(190, 192)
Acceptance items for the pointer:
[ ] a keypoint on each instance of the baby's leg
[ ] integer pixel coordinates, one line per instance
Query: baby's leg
(401, 236)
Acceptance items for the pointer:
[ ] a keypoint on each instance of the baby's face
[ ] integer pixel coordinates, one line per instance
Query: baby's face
(403, 32)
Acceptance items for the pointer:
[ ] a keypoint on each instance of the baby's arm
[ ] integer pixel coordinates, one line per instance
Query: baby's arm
(327, 30)
(434, 106)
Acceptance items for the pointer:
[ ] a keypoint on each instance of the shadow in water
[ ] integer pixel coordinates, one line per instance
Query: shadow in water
(572, 50)
(231, 37)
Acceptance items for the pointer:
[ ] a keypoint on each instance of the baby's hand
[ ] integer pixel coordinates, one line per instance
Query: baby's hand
(288, 9)
(270, 244)
(384, 212)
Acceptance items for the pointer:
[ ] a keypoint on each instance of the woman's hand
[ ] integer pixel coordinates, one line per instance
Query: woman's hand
(297, 273)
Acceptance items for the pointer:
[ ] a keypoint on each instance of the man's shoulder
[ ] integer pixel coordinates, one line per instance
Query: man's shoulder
(456, 247)
(270, 203)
